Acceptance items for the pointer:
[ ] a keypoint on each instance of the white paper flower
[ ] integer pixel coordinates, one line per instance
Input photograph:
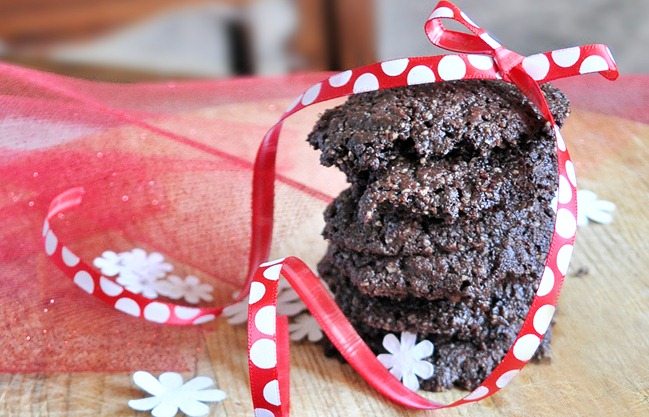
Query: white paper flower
(140, 262)
(137, 270)
(140, 284)
(406, 359)
(190, 288)
(110, 263)
(594, 209)
(590, 208)
(288, 304)
(170, 394)
(305, 326)
(237, 313)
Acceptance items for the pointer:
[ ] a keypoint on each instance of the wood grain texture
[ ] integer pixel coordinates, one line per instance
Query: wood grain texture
(600, 343)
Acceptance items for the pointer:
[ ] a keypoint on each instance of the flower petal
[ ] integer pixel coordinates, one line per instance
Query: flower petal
(600, 216)
(110, 255)
(238, 318)
(209, 395)
(287, 295)
(397, 371)
(410, 381)
(144, 404)
(198, 383)
(191, 298)
(206, 296)
(604, 205)
(422, 350)
(204, 292)
(107, 263)
(315, 334)
(165, 409)
(109, 270)
(386, 359)
(423, 369)
(171, 380)
(128, 278)
(408, 340)
(155, 257)
(168, 289)
(136, 255)
(237, 313)
(290, 309)
(391, 343)
(297, 335)
(297, 331)
(305, 325)
(136, 289)
(148, 383)
(584, 197)
(149, 292)
(194, 408)
(175, 280)
(153, 271)
(192, 280)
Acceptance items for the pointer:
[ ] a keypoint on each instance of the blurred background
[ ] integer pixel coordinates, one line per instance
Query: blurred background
(138, 40)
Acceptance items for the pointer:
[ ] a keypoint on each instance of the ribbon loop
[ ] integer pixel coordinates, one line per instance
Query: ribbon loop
(511, 66)
(476, 42)
(506, 60)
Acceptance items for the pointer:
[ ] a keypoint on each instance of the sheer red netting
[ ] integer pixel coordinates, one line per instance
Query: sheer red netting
(167, 168)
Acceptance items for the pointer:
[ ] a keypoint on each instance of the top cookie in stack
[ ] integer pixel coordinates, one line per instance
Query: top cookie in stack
(447, 222)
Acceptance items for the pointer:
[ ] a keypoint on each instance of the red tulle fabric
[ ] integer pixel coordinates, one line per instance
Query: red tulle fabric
(166, 167)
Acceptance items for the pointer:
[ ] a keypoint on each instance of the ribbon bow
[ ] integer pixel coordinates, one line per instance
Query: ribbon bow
(481, 57)
(524, 72)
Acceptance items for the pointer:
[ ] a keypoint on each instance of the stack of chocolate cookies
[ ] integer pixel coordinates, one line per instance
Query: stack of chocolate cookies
(447, 222)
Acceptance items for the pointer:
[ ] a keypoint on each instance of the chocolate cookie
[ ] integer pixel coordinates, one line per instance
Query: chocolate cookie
(447, 222)
(434, 260)
(369, 131)
(456, 187)
(477, 320)
(397, 233)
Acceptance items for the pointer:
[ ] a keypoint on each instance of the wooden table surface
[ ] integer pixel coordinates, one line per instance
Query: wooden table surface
(600, 342)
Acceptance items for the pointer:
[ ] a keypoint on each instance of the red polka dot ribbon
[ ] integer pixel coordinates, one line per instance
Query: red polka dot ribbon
(91, 281)
(480, 57)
